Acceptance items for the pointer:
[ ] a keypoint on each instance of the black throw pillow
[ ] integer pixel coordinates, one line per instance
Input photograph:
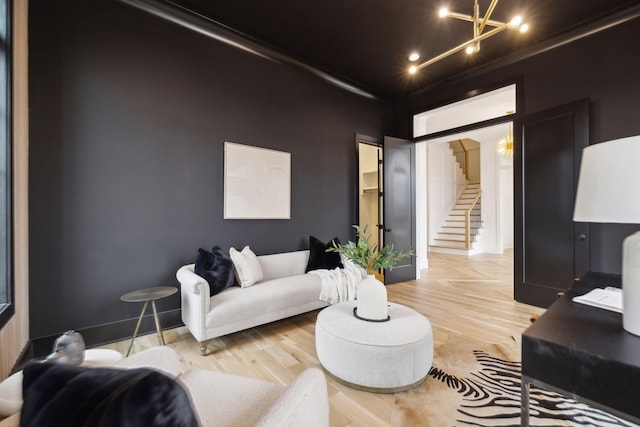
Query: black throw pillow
(73, 396)
(319, 258)
(216, 268)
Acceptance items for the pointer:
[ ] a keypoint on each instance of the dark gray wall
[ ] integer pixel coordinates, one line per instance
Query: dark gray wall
(600, 68)
(128, 118)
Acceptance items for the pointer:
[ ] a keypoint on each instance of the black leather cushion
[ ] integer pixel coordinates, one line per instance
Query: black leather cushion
(216, 268)
(319, 258)
(68, 395)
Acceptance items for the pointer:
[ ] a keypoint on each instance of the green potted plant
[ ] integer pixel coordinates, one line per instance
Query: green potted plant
(367, 256)
(371, 301)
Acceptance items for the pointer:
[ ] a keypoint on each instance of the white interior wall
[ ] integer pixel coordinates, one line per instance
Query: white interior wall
(506, 205)
(482, 107)
(442, 185)
(490, 240)
(422, 207)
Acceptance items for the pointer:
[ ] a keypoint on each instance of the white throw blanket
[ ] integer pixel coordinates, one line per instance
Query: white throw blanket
(339, 285)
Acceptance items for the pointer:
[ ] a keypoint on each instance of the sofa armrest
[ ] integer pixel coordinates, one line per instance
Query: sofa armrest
(195, 295)
(164, 359)
(304, 402)
(12, 421)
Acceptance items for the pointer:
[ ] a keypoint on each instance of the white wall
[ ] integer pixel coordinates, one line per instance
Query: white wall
(422, 232)
(443, 185)
(506, 204)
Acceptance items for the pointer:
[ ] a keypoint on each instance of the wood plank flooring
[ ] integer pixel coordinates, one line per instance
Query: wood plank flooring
(472, 296)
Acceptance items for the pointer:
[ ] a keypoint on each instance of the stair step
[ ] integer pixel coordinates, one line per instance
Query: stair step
(448, 244)
(461, 216)
(449, 237)
(452, 233)
(475, 211)
(454, 223)
(459, 229)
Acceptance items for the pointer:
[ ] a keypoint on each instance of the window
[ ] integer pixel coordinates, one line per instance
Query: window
(6, 246)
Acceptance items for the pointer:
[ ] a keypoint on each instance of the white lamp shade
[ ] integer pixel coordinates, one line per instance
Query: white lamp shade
(609, 191)
(609, 183)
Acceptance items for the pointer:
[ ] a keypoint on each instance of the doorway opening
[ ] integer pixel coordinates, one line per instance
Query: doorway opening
(370, 203)
(468, 193)
(370, 189)
(465, 205)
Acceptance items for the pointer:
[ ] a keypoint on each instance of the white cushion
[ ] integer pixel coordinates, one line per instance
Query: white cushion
(272, 296)
(11, 395)
(248, 270)
(223, 400)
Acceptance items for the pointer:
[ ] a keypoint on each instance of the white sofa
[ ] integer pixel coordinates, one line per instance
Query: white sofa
(223, 400)
(284, 291)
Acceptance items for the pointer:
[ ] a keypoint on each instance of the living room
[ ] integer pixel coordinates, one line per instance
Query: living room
(124, 131)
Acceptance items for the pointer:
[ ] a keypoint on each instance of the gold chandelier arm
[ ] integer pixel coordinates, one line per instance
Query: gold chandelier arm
(476, 19)
(487, 15)
(469, 18)
(460, 16)
(462, 46)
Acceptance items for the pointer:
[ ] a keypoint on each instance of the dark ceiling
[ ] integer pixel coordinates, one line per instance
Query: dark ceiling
(366, 42)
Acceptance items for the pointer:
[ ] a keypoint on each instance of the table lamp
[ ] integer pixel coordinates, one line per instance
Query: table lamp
(609, 192)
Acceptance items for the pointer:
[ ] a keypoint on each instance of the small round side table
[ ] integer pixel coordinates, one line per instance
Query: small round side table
(145, 295)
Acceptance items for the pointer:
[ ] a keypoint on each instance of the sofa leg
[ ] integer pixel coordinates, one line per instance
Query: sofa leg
(203, 347)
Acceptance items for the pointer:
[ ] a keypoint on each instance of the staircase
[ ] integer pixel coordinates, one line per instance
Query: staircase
(452, 235)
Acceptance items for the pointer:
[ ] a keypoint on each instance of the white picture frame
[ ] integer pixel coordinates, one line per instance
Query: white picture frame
(257, 182)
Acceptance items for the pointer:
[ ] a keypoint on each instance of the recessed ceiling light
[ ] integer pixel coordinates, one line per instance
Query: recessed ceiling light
(414, 56)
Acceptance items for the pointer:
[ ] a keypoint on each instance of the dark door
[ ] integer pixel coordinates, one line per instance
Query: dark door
(399, 217)
(550, 250)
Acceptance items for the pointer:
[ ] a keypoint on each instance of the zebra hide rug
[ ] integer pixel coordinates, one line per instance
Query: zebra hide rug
(476, 384)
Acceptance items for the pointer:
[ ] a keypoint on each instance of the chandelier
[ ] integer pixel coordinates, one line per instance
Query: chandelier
(479, 25)
(505, 146)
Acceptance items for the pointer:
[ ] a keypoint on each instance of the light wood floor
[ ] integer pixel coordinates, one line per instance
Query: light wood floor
(472, 296)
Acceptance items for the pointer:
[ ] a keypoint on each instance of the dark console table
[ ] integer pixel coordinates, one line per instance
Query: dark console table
(583, 353)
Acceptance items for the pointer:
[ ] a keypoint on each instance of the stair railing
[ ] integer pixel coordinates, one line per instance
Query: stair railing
(467, 221)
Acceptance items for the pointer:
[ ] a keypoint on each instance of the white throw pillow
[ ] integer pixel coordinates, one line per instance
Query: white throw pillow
(248, 270)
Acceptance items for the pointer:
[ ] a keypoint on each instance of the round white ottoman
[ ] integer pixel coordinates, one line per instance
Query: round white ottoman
(382, 357)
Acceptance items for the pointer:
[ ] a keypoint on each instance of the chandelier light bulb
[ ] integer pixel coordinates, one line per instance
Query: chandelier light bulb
(470, 49)
(524, 28)
(414, 56)
(443, 12)
(516, 21)
(413, 69)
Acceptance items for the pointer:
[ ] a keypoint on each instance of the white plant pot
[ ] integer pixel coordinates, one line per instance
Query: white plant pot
(371, 300)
